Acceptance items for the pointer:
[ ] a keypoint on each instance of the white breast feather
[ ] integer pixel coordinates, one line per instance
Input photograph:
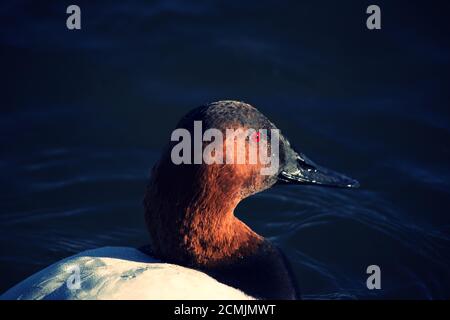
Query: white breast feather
(121, 273)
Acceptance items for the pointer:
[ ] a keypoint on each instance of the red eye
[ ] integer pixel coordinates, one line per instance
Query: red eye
(257, 136)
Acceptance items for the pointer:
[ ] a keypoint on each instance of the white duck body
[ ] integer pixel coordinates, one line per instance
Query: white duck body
(120, 273)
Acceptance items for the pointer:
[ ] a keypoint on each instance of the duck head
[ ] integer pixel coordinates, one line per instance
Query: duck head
(189, 205)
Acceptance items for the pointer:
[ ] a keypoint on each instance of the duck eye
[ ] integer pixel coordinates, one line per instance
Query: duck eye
(253, 137)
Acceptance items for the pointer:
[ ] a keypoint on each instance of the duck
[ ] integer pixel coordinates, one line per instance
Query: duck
(198, 248)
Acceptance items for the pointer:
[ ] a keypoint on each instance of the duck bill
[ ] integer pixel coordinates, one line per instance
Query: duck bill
(304, 171)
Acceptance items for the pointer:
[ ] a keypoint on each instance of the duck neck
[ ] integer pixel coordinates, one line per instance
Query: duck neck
(196, 230)
(214, 235)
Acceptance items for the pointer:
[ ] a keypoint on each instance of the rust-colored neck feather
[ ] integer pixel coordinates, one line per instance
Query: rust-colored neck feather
(189, 213)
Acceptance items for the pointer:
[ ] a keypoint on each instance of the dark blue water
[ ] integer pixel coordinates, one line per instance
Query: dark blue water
(84, 115)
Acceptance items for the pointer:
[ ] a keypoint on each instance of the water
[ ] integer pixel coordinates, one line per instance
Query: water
(84, 116)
